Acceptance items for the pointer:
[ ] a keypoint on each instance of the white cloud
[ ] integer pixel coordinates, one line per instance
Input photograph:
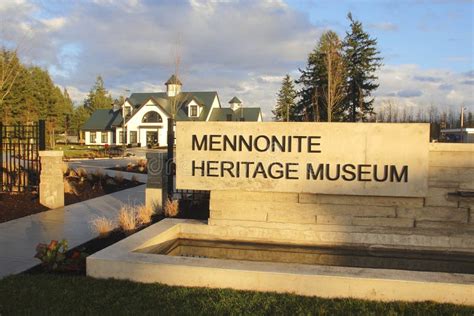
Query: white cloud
(54, 24)
(412, 86)
(241, 48)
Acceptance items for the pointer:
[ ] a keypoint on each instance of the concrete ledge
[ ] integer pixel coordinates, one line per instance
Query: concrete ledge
(126, 260)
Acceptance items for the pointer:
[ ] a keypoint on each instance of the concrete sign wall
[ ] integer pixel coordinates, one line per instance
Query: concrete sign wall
(330, 158)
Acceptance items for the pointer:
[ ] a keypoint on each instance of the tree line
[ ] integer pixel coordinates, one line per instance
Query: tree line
(28, 94)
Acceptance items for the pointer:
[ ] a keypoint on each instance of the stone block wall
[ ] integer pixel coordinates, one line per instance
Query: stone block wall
(51, 185)
(451, 169)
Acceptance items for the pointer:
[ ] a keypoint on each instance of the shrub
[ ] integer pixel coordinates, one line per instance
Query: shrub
(99, 174)
(52, 256)
(118, 177)
(127, 218)
(81, 172)
(171, 208)
(144, 214)
(102, 225)
(142, 163)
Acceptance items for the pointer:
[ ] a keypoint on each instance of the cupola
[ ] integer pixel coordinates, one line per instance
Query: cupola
(173, 86)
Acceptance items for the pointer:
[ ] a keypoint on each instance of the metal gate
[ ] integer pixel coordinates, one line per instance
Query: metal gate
(19, 156)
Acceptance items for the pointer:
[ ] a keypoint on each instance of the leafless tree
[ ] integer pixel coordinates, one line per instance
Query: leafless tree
(10, 68)
(335, 68)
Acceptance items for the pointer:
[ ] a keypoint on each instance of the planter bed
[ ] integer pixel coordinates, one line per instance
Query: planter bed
(16, 205)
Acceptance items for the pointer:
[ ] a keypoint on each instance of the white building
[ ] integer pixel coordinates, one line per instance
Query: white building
(146, 115)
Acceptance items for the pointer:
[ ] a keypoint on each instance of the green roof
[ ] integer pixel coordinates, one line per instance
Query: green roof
(203, 98)
(103, 119)
(235, 100)
(249, 114)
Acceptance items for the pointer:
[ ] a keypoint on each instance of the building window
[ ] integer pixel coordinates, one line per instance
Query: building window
(229, 117)
(121, 137)
(92, 137)
(152, 117)
(104, 138)
(133, 137)
(193, 111)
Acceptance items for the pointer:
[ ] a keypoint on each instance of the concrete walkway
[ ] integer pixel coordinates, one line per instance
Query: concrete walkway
(19, 237)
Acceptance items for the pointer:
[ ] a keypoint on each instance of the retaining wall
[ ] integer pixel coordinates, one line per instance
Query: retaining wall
(451, 169)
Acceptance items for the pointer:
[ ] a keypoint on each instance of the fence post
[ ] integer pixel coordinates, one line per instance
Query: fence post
(156, 191)
(41, 135)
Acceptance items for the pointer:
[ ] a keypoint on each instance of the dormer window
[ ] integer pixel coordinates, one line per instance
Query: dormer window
(193, 111)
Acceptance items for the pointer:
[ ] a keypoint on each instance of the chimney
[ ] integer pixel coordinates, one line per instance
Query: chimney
(173, 86)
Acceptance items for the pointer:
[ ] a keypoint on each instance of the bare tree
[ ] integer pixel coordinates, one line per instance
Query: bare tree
(334, 93)
(10, 68)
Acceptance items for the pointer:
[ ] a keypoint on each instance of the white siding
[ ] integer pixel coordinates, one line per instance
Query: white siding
(215, 105)
(135, 124)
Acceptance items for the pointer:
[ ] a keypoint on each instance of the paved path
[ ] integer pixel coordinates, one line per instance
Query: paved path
(19, 237)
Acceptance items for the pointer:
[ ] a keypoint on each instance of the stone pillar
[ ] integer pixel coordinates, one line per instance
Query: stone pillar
(51, 186)
(156, 192)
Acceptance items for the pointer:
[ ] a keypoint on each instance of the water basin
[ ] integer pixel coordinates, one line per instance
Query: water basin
(373, 257)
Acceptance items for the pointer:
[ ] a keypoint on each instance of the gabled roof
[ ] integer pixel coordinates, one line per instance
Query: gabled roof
(103, 119)
(249, 114)
(235, 100)
(173, 80)
(203, 98)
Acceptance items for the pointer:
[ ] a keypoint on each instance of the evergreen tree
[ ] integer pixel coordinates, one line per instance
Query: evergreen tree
(310, 106)
(285, 107)
(16, 106)
(98, 97)
(79, 116)
(67, 109)
(316, 90)
(362, 59)
(10, 68)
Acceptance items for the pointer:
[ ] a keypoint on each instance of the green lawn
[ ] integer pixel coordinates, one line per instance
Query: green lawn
(53, 294)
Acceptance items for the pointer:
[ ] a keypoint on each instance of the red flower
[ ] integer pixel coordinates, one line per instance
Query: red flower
(52, 244)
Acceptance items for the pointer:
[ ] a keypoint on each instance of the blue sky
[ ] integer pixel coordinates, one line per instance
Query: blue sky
(432, 34)
(243, 47)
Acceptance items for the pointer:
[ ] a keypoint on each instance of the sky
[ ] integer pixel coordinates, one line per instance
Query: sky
(242, 48)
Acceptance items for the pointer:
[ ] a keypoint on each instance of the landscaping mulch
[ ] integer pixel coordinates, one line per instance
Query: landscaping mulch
(92, 246)
(16, 205)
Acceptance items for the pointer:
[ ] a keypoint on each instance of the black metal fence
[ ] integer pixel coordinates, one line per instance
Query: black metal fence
(19, 156)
